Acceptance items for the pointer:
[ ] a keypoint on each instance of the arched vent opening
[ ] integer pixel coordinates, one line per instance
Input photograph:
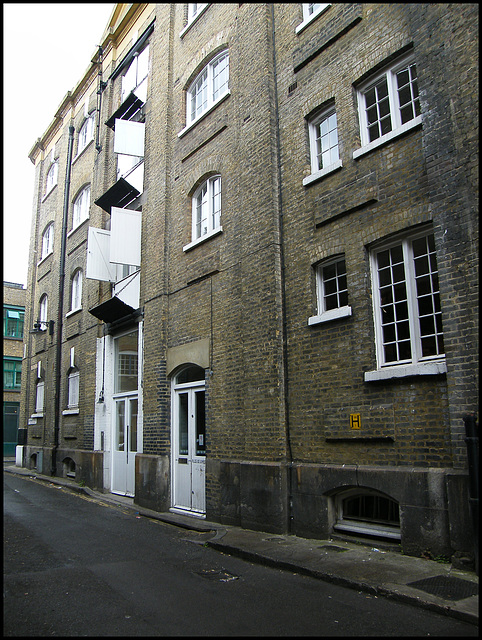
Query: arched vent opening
(365, 512)
(69, 468)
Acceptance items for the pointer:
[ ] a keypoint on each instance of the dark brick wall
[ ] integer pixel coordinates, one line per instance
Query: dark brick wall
(249, 291)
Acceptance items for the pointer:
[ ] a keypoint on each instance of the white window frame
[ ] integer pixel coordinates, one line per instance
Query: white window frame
(81, 207)
(76, 291)
(52, 177)
(47, 241)
(206, 211)
(417, 363)
(311, 11)
(390, 75)
(86, 133)
(205, 85)
(316, 128)
(341, 310)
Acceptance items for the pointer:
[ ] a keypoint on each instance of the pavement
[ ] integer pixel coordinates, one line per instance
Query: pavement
(369, 568)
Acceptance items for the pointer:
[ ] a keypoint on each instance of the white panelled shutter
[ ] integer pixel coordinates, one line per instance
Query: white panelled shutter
(125, 239)
(99, 266)
(129, 138)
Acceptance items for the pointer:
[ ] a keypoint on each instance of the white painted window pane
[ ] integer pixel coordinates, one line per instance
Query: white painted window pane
(129, 138)
(129, 81)
(43, 309)
(39, 401)
(73, 390)
(77, 291)
(142, 65)
(99, 266)
(125, 236)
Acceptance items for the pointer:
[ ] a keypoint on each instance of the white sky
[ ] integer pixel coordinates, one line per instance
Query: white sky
(47, 48)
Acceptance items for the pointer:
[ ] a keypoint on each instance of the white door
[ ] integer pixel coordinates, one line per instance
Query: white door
(189, 446)
(124, 445)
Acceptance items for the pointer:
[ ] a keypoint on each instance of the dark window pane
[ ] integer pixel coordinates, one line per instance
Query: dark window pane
(390, 353)
(405, 352)
(386, 125)
(429, 346)
(403, 331)
(423, 286)
(401, 310)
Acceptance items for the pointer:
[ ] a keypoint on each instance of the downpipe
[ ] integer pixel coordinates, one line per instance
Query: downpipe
(58, 357)
(472, 442)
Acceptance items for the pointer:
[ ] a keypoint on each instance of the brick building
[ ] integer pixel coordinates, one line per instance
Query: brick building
(13, 323)
(255, 283)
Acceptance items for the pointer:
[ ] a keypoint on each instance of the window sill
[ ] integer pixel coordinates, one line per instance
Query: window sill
(313, 17)
(317, 175)
(185, 29)
(74, 229)
(73, 312)
(403, 371)
(45, 258)
(47, 193)
(37, 415)
(81, 152)
(204, 238)
(70, 412)
(333, 314)
(388, 137)
(192, 124)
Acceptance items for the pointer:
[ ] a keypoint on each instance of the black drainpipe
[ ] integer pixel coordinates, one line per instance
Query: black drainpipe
(58, 356)
(472, 442)
(283, 286)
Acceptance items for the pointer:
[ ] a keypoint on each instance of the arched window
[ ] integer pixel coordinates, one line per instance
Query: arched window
(366, 512)
(206, 208)
(43, 309)
(208, 87)
(52, 176)
(86, 133)
(47, 241)
(192, 373)
(76, 292)
(81, 207)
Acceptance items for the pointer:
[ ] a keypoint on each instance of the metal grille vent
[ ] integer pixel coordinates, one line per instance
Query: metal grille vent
(446, 587)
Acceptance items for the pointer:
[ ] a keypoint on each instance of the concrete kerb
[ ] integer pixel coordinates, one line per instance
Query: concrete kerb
(229, 540)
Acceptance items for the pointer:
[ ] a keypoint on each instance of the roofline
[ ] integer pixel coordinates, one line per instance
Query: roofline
(121, 15)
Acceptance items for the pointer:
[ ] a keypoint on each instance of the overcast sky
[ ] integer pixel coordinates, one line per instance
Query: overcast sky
(46, 50)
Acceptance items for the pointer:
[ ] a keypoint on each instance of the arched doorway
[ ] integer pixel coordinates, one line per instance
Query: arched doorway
(189, 441)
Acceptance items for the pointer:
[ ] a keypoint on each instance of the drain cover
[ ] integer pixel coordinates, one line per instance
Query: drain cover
(446, 587)
(217, 574)
(331, 547)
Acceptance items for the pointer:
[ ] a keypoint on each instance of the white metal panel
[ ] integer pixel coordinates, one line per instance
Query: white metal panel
(128, 289)
(129, 137)
(136, 178)
(99, 266)
(125, 240)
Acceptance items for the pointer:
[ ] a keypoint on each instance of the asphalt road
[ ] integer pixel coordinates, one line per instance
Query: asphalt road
(74, 566)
